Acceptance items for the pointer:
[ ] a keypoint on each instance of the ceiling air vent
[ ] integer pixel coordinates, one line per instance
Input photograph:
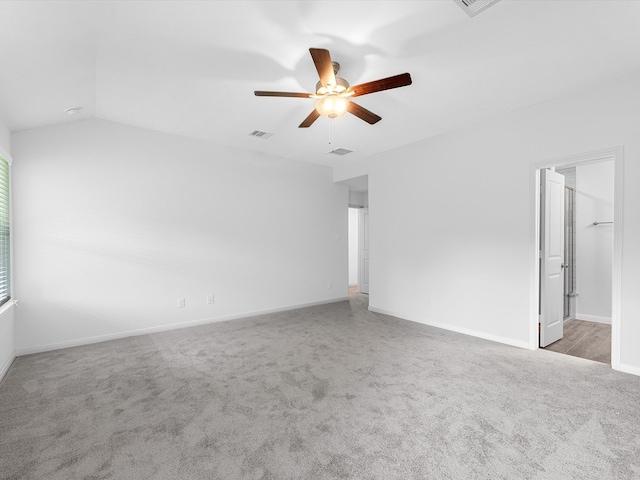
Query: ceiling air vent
(340, 151)
(474, 7)
(259, 134)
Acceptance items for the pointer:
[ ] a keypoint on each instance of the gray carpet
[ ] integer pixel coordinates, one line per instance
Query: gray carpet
(318, 393)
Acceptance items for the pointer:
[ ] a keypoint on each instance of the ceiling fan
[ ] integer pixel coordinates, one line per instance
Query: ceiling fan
(334, 93)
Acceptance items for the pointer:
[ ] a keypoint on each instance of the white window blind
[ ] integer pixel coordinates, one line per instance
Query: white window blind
(5, 241)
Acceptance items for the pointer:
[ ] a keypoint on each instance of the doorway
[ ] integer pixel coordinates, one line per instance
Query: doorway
(363, 251)
(358, 250)
(358, 222)
(590, 262)
(354, 225)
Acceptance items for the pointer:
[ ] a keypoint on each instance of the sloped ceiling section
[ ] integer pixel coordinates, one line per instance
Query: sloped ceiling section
(190, 68)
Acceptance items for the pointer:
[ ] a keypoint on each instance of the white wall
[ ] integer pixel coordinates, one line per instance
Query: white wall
(594, 243)
(5, 139)
(114, 223)
(7, 336)
(7, 340)
(452, 219)
(358, 199)
(353, 245)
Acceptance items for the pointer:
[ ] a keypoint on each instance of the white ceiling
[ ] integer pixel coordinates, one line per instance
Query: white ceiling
(190, 68)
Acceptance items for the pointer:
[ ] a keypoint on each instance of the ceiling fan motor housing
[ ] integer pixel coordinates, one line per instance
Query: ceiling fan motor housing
(341, 86)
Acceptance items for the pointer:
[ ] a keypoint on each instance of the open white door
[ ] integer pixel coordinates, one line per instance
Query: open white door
(551, 256)
(363, 274)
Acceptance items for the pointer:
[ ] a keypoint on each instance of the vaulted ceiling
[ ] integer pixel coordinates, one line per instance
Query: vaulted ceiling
(190, 68)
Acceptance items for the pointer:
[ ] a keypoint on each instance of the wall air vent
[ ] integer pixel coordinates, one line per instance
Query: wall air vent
(259, 134)
(340, 151)
(474, 7)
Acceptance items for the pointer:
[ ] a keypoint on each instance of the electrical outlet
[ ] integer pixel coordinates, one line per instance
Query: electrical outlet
(210, 298)
(181, 303)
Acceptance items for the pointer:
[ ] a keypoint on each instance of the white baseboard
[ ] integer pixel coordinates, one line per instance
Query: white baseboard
(453, 328)
(7, 365)
(593, 318)
(164, 328)
(629, 369)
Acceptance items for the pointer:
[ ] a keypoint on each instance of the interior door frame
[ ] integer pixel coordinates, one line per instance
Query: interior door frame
(617, 155)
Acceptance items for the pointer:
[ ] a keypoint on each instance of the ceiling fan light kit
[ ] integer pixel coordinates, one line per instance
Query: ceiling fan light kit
(332, 106)
(334, 93)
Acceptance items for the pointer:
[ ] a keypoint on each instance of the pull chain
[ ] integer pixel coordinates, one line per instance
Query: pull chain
(331, 131)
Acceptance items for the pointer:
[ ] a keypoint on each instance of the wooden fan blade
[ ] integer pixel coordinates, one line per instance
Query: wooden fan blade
(322, 60)
(307, 122)
(363, 113)
(259, 93)
(388, 83)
